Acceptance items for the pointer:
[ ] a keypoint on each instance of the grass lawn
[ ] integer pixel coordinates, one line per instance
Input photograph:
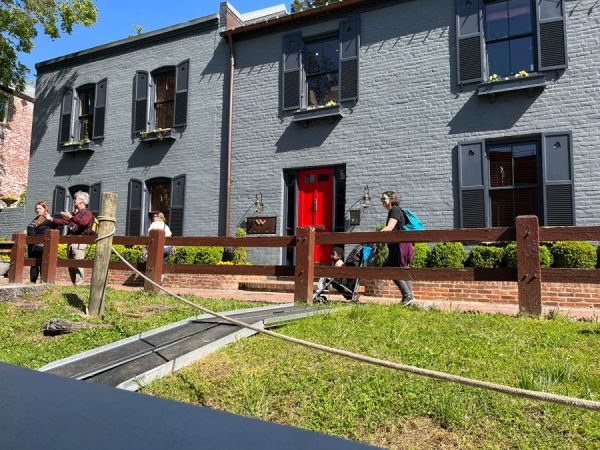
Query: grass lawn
(126, 313)
(275, 381)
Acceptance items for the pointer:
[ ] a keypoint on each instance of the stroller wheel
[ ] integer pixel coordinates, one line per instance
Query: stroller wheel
(321, 299)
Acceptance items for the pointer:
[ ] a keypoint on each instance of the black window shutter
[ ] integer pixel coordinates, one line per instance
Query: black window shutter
(95, 196)
(140, 104)
(59, 199)
(66, 116)
(134, 208)
(551, 36)
(100, 109)
(468, 41)
(177, 205)
(557, 163)
(182, 77)
(350, 45)
(473, 190)
(290, 92)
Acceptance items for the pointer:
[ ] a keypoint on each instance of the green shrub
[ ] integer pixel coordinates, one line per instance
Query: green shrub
(239, 255)
(380, 251)
(62, 251)
(421, 254)
(574, 254)
(509, 258)
(447, 254)
(184, 255)
(209, 255)
(5, 257)
(485, 257)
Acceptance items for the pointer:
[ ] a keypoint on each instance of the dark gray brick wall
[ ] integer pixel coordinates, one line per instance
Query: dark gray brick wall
(13, 220)
(197, 153)
(403, 132)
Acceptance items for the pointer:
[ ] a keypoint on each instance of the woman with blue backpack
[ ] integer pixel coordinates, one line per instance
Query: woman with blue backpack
(400, 255)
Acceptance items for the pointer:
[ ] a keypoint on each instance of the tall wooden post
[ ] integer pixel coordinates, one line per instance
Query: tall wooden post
(108, 208)
(528, 266)
(17, 258)
(154, 262)
(50, 256)
(305, 265)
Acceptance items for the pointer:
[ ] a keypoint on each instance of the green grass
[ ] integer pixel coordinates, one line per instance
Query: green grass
(272, 380)
(126, 313)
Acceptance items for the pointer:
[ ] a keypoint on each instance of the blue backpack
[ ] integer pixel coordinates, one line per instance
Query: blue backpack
(412, 221)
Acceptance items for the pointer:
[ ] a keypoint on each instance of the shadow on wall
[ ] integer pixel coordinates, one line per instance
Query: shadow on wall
(72, 163)
(149, 154)
(48, 100)
(479, 114)
(296, 137)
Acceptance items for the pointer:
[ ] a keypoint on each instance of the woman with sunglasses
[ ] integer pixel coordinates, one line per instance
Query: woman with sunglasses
(400, 255)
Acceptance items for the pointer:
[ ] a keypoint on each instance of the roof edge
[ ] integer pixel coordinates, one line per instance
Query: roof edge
(16, 93)
(128, 42)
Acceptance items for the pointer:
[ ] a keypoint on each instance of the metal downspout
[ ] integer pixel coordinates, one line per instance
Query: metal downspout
(229, 136)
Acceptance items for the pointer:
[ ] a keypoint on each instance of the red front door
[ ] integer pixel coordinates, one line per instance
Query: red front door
(315, 205)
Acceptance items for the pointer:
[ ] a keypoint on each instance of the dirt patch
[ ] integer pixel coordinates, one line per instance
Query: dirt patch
(420, 433)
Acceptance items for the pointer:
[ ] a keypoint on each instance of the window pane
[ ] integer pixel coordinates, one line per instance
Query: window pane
(498, 58)
(331, 58)
(3, 108)
(160, 198)
(313, 57)
(526, 202)
(496, 20)
(519, 13)
(521, 55)
(165, 87)
(525, 158)
(502, 208)
(322, 89)
(501, 167)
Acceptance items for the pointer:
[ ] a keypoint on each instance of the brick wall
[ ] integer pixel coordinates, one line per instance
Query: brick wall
(500, 292)
(15, 136)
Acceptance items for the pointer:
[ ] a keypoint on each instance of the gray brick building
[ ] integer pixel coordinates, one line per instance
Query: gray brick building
(474, 111)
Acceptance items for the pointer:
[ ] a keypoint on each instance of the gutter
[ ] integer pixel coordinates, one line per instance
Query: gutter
(229, 136)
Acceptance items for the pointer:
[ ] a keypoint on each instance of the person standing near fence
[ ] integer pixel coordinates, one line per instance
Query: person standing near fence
(400, 255)
(78, 222)
(37, 227)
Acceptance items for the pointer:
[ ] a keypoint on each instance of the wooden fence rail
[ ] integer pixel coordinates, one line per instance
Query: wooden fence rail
(527, 235)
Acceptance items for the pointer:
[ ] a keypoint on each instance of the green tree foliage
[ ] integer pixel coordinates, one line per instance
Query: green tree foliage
(301, 5)
(20, 21)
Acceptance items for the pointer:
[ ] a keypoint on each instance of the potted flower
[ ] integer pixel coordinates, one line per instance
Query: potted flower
(4, 264)
(9, 199)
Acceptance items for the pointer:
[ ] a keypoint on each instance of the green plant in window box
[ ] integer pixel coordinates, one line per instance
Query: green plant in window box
(522, 74)
(159, 133)
(79, 144)
(494, 77)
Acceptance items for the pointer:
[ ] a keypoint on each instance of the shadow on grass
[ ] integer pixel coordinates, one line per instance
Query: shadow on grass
(589, 332)
(75, 301)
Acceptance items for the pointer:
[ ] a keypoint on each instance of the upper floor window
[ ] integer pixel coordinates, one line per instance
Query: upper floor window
(509, 37)
(167, 90)
(322, 66)
(504, 37)
(83, 114)
(3, 108)
(320, 71)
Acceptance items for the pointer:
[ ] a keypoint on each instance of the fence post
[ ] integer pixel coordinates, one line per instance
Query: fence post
(50, 256)
(154, 262)
(528, 266)
(305, 265)
(17, 258)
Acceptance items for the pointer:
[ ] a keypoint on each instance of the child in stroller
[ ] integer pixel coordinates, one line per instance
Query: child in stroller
(358, 257)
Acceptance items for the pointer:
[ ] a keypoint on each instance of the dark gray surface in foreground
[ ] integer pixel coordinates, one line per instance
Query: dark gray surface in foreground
(44, 411)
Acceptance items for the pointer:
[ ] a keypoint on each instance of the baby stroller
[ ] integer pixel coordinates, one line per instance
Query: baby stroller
(358, 257)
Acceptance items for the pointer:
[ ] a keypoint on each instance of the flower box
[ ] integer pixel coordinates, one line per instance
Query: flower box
(530, 83)
(85, 145)
(160, 134)
(304, 116)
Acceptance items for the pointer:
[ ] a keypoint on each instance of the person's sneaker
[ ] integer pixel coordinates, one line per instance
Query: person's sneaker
(407, 301)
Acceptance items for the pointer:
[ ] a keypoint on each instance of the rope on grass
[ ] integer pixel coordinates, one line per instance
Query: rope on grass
(515, 392)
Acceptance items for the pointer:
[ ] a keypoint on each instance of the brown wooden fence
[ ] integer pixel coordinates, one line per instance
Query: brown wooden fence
(527, 235)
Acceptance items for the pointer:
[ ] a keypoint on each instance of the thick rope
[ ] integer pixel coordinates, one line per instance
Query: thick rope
(515, 392)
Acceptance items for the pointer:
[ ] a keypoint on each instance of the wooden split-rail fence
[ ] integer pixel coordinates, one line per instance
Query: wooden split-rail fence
(527, 234)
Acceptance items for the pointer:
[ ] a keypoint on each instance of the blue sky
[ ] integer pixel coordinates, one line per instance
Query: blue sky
(117, 17)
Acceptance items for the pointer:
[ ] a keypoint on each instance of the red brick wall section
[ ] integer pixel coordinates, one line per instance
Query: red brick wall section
(15, 137)
(499, 292)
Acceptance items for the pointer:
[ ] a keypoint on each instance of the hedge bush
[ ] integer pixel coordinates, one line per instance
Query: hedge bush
(239, 255)
(574, 254)
(421, 254)
(509, 259)
(485, 257)
(197, 255)
(447, 254)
